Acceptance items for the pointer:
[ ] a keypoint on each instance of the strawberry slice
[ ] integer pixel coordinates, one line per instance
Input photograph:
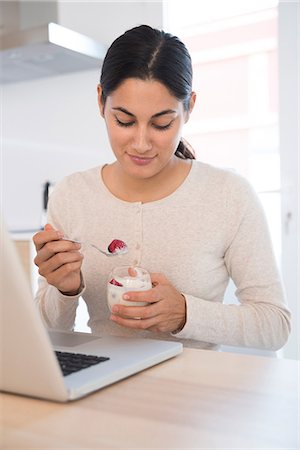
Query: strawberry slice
(117, 246)
(115, 282)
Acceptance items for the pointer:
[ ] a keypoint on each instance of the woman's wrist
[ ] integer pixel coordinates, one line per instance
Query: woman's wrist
(76, 292)
(182, 324)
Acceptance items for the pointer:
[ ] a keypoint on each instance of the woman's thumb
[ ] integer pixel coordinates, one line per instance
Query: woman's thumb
(158, 278)
(48, 227)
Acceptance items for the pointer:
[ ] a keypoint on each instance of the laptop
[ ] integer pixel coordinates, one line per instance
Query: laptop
(30, 353)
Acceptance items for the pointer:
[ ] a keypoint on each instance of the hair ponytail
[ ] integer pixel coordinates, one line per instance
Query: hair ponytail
(185, 150)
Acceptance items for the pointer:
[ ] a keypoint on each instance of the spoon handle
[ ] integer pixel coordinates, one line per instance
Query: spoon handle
(71, 240)
(92, 245)
(101, 251)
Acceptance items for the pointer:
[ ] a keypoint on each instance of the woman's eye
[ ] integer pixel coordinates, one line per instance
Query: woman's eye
(163, 127)
(156, 126)
(123, 124)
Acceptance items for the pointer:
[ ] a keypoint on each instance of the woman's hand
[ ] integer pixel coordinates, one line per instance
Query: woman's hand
(165, 313)
(58, 261)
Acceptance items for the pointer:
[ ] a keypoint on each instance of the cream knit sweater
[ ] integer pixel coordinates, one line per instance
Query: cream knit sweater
(210, 229)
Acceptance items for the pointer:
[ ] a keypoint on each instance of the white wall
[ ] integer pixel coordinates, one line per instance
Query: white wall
(104, 21)
(52, 127)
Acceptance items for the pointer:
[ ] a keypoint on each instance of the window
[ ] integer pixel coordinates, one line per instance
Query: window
(233, 45)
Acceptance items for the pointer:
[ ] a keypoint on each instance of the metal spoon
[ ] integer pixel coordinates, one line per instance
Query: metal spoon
(116, 252)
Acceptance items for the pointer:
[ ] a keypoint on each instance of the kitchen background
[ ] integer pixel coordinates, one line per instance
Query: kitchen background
(51, 126)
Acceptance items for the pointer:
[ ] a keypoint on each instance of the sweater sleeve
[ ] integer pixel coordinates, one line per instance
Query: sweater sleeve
(57, 310)
(261, 319)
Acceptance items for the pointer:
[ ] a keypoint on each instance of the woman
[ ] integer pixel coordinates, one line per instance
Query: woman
(191, 225)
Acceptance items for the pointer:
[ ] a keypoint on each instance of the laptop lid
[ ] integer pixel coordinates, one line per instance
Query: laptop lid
(29, 365)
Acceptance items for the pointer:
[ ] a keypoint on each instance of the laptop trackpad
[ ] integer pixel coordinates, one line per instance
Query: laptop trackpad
(59, 338)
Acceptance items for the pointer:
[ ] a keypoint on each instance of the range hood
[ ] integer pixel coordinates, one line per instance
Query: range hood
(46, 49)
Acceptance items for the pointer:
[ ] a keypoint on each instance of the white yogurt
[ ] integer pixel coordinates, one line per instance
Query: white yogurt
(140, 282)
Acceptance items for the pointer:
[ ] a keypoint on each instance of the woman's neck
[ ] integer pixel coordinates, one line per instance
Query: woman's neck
(132, 189)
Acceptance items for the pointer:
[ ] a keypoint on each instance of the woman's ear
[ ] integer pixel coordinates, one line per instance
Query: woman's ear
(100, 100)
(191, 105)
(192, 101)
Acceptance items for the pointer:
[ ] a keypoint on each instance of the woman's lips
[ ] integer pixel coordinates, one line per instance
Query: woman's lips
(141, 161)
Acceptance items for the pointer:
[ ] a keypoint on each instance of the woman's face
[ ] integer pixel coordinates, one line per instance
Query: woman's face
(144, 123)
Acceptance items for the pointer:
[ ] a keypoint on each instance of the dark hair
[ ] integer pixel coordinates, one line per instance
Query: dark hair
(147, 53)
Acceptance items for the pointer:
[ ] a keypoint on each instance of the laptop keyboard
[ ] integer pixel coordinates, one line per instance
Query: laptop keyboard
(73, 362)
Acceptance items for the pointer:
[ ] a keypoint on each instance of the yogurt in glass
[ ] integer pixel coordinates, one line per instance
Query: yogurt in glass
(124, 279)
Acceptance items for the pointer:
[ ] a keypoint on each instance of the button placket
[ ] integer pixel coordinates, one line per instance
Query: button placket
(139, 236)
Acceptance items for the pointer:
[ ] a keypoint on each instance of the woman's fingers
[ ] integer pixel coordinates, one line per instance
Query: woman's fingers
(134, 322)
(48, 235)
(53, 248)
(57, 260)
(66, 276)
(166, 311)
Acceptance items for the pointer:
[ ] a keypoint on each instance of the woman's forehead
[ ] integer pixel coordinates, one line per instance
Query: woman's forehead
(143, 95)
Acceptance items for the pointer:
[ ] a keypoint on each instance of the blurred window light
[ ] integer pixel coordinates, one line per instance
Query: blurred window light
(234, 46)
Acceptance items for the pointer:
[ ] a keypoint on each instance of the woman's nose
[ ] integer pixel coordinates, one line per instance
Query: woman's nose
(142, 142)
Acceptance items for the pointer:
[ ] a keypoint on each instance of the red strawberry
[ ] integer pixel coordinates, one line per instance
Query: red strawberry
(117, 246)
(115, 282)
